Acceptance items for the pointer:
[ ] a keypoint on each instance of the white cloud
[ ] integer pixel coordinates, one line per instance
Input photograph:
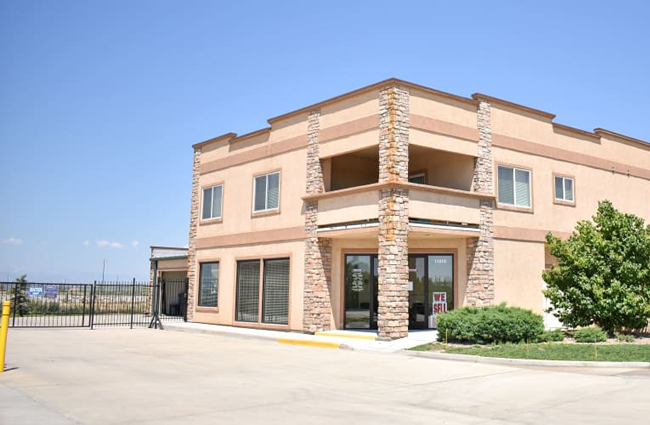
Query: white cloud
(104, 243)
(12, 241)
(134, 244)
(86, 242)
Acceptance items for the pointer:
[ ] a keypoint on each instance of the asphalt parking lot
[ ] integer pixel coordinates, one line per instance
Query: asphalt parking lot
(141, 376)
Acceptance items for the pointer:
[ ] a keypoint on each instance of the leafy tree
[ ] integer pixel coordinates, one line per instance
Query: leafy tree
(20, 302)
(603, 272)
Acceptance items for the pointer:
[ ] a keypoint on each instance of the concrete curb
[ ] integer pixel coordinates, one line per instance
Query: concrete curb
(527, 362)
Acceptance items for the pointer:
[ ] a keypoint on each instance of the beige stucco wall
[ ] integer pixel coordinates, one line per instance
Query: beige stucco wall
(442, 108)
(228, 257)
(521, 125)
(518, 273)
(348, 208)
(444, 207)
(237, 214)
(349, 143)
(442, 142)
(362, 105)
(178, 264)
(629, 194)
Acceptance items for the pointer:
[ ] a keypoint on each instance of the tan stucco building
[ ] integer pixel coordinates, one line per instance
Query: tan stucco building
(381, 207)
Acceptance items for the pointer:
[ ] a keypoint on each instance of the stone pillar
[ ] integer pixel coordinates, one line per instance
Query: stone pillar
(194, 224)
(393, 315)
(317, 305)
(480, 250)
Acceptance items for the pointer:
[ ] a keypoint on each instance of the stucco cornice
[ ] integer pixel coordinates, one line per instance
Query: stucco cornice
(214, 140)
(611, 134)
(497, 101)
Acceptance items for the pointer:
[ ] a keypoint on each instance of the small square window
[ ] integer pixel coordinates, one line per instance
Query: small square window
(266, 194)
(212, 202)
(564, 189)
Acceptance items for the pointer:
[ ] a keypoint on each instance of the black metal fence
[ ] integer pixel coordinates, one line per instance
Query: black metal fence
(98, 304)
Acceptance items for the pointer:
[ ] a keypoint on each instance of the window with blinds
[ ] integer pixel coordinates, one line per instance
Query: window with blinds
(514, 186)
(248, 291)
(274, 291)
(275, 303)
(212, 202)
(564, 189)
(267, 192)
(209, 285)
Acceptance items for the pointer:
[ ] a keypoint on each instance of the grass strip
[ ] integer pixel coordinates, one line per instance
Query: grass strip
(551, 351)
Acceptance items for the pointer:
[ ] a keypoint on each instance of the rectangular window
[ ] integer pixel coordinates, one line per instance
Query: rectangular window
(275, 305)
(564, 189)
(514, 186)
(209, 285)
(274, 291)
(248, 291)
(212, 200)
(267, 192)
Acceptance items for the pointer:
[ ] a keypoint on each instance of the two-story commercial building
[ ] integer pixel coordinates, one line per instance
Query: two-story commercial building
(382, 207)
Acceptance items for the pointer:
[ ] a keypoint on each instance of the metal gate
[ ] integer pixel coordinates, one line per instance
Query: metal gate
(65, 305)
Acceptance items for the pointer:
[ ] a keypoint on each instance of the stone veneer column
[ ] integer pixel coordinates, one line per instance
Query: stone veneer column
(194, 224)
(318, 251)
(480, 251)
(392, 319)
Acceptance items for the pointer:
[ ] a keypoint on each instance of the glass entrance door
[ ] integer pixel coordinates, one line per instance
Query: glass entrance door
(417, 293)
(361, 291)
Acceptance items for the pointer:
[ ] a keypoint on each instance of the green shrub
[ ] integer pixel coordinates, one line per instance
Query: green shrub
(624, 337)
(484, 325)
(590, 335)
(551, 336)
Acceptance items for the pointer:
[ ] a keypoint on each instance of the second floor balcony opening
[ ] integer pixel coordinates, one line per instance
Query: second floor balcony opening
(354, 169)
(440, 168)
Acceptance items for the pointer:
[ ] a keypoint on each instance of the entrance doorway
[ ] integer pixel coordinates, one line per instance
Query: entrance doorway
(431, 289)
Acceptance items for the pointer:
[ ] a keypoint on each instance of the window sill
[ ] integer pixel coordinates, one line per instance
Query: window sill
(265, 213)
(565, 203)
(206, 310)
(207, 221)
(514, 208)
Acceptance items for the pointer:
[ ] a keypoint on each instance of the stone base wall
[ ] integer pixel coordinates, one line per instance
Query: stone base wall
(480, 261)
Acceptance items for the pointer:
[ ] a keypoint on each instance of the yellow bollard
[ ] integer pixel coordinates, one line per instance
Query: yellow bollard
(6, 308)
(446, 344)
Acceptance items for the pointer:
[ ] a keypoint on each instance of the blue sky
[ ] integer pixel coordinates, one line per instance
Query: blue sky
(101, 101)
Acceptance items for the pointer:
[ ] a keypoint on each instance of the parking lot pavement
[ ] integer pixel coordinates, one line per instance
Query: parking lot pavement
(141, 376)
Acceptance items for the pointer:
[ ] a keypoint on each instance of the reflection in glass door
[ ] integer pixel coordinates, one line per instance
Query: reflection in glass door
(441, 284)
(360, 292)
(417, 293)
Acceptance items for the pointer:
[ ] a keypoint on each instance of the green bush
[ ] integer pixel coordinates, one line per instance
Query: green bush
(590, 335)
(624, 337)
(484, 325)
(551, 336)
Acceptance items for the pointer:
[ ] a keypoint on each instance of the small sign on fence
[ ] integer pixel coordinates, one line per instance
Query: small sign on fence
(51, 291)
(35, 291)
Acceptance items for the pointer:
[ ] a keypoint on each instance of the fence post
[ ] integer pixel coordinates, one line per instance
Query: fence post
(83, 309)
(92, 306)
(186, 297)
(13, 321)
(132, 302)
(6, 308)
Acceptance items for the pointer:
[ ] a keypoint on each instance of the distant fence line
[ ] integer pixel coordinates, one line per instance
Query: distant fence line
(41, 304)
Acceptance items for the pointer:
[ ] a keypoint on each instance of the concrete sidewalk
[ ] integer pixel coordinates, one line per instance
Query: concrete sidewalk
(352, 340)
